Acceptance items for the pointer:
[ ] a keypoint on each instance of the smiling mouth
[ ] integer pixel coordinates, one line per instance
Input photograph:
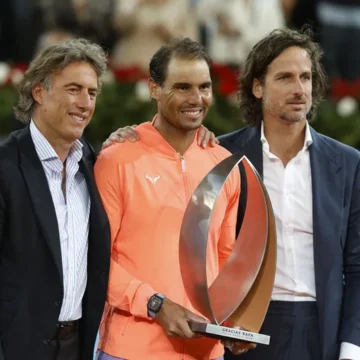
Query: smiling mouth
(77, 117)
(192, 113)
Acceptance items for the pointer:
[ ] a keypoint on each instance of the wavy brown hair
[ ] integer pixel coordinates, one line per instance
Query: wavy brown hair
(261, 56)
(54, 58)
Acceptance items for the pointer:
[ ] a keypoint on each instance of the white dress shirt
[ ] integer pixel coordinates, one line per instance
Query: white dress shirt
(290, 191)
(72, 212)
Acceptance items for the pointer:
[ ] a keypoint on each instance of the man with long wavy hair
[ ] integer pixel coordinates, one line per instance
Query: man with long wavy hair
(313, 182)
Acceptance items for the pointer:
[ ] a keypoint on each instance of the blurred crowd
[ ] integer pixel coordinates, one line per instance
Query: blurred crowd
(131, 30)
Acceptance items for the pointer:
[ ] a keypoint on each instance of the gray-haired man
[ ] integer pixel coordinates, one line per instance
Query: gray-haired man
(54, 233)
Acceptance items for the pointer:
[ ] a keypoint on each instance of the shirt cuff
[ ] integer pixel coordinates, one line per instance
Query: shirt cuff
(142, 296)
(349, 351)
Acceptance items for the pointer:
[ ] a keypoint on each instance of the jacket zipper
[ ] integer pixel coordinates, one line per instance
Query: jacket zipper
(186, 188)
(183, 164)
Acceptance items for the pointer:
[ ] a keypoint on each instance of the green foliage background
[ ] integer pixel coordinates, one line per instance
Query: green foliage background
(118, 106)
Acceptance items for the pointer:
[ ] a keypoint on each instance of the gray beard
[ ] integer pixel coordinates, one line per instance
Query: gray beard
(293, 119)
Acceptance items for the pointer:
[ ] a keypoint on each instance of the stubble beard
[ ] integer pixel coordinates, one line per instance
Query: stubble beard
(277, 111)
(293, 118)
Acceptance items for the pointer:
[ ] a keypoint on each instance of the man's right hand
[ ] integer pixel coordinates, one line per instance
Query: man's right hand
(174, 319)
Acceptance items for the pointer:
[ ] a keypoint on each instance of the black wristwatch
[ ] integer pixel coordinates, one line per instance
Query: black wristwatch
(154, 304)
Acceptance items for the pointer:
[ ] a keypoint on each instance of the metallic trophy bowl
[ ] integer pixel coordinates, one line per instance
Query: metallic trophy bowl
(237, 301)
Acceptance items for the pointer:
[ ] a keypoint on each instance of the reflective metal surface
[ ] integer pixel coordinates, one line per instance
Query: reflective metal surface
(251, 312)
(234, 282)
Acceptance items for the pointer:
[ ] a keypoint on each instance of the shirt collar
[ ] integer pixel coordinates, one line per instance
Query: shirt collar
(307, 141)
(46, 152)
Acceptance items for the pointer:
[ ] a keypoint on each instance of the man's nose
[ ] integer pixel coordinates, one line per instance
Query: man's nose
(299, 88)
(84, 101)
(195, 97)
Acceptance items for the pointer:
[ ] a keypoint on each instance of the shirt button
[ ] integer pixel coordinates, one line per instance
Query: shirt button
(46, 341)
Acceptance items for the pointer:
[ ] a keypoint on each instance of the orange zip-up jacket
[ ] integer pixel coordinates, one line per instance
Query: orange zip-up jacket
(145, 187)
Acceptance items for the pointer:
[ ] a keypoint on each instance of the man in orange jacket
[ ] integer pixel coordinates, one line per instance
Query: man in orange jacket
(145, 188)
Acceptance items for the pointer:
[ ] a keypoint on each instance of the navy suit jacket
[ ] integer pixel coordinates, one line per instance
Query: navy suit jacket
(31, 276)
(335, 170)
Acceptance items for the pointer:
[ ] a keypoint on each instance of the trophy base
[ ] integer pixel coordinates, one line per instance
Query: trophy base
(226, 333)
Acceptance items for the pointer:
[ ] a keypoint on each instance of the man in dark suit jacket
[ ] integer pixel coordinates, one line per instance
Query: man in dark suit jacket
(336, 205)
(314, 185)
(54, 233)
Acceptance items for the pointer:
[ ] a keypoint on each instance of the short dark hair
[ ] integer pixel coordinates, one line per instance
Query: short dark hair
(261, 56)
(180, 48)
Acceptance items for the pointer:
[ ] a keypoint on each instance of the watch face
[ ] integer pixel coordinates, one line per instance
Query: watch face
(155, 303)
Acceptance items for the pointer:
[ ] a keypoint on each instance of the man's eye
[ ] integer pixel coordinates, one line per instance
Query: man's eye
(73, 90)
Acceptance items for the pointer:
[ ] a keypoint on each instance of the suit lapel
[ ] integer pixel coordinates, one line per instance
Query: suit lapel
(252, 149)
(249, 144)
(328, 191)
(39, 191)
(85, 167)
(99, 226)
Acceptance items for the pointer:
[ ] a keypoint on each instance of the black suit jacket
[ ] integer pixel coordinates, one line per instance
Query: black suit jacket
(336, 221)
(31, 278)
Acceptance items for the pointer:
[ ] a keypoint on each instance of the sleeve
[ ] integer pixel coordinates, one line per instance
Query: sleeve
(125, 292)
(228, 227)
(349, 351)
(350, 320)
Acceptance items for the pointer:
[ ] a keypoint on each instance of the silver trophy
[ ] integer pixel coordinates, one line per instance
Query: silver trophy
(237, 300)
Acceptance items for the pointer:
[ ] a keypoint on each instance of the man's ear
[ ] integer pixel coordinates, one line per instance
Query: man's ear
(38, 93)
(154, 89)
(257, 89)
